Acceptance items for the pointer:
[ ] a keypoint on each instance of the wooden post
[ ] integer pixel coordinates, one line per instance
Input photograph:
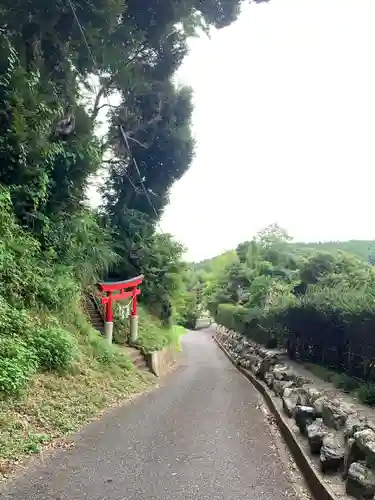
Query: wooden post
(134, 317)
(108, 326)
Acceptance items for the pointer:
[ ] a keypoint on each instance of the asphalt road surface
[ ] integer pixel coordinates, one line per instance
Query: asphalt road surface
(200, 435)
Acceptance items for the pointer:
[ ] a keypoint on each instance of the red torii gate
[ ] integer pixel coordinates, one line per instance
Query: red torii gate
(119, 290)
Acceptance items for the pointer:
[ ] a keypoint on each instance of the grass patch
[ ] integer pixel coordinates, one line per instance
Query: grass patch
(363, 391)
(320, 371)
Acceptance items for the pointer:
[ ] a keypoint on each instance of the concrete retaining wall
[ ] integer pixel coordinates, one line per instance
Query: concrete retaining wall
(160, 362)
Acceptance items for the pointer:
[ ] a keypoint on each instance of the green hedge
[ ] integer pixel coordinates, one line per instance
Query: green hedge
(331, 327)
(334, 328)
(255, 324)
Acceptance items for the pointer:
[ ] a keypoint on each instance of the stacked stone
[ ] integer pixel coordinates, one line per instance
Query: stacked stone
(344, 442)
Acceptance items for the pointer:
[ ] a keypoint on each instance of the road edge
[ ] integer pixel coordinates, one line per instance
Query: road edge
(317, 487)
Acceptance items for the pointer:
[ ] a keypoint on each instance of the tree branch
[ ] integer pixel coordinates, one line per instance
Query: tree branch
(143, 126)
(143, 145)
(110, 82)
(104, 106)
(100, 94)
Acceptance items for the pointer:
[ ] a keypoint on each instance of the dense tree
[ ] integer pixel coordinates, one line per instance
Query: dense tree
(47, 70)
(269, 267)
(62, 66)
(318, 303)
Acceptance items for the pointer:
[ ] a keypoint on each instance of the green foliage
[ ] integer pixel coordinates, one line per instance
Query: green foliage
(320, 305)
(366, 394)
(189, 305)
(80, 243)
(18, 364)
(363, 249)
(154, 334)
(55, 348)
(188, 311)
(320, 371)
(345, 383)
(156, 256)
(52, 247)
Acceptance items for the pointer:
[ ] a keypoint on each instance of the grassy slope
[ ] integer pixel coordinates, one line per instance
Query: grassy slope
(153, 336)
(53, 405)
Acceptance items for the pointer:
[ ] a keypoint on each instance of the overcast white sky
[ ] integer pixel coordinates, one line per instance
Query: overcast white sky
(285, 126)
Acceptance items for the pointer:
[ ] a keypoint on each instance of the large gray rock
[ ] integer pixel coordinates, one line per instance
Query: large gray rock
(255, 367)
(303, 399)
(335, 413)
(332, 452)
(238, 348)
(280, 385)
(352, 454)
(289, 374)
(244, 351)
(267, 362)
(269, 378)
(365, 440)
(304, 416)
(291, 397)
(315, 434)
(279, 371)
(318, 406)
(368, 424)
(352, 425)
(300, 380)
(245, 363)
(360, 482)
(312, 394)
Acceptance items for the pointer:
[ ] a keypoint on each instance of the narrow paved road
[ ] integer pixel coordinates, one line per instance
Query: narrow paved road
(201, 435)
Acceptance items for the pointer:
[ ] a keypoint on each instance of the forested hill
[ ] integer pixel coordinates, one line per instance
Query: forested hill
(364, 249)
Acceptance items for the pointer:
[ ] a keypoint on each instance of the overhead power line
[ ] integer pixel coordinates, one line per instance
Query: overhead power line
(123, 133)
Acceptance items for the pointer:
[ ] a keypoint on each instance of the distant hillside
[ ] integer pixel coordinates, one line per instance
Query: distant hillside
(216, 263)
(364, 249)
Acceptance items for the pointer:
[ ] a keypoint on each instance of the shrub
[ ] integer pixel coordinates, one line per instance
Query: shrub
(100, 349)
(345, 383)
(17, 365)
(336, 324)
(55, 348)
(233, 317)
(254, 323)
(13, 322)
(58, 290)
(366, 394)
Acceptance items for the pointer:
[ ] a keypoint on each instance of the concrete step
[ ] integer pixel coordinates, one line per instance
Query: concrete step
(97, 323)
(136, 357)
(140, 363)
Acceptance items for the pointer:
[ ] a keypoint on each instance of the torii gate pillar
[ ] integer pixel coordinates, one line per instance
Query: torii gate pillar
(134, 319)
